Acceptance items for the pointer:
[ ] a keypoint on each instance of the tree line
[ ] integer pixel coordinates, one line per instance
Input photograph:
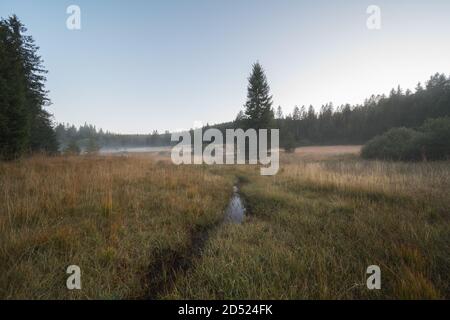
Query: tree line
(357, 124)
(88, 134)
(25, 126)
(304, 126)
(345, 124)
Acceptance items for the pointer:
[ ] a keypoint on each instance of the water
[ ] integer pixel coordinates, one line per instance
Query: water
(236, 210)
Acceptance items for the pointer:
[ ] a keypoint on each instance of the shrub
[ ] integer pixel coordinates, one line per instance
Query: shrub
(288, 143)
(429, 142)
(395, 144)
(434, 141)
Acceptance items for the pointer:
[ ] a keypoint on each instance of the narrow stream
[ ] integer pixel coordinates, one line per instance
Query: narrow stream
(236, 210)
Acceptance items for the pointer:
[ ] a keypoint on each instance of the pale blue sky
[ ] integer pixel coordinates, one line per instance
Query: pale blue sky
(136, 65)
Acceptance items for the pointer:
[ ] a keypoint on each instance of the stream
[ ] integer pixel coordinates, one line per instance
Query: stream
(235, 211)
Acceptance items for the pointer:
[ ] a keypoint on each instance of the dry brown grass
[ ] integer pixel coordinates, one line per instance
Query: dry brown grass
(132, 224)
(324, 152)
(109, 215)
(315, 228)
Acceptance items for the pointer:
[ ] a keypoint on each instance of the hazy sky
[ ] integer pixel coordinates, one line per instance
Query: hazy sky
(136, 66)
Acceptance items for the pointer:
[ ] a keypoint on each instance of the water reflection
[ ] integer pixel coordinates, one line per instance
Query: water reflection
(236, 210)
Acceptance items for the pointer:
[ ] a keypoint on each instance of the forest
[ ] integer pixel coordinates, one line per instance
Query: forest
(357, 124)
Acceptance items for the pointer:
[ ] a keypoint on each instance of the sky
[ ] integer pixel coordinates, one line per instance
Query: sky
(141, 65)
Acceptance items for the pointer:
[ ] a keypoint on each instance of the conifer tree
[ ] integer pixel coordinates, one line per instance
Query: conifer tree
(279, 113)
(72, 149)
(296, 114)
(258, 108)
(92, 147)
(25, 126)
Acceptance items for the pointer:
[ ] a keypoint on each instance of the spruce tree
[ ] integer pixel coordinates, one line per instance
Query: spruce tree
(280, 113)
(258, 108)
(25, 126)
(92, 147)
(240, 120)
(72, 149)
(296, 114)
(14, 116)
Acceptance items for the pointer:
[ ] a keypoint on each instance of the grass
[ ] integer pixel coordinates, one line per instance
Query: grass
(140, 227)
(113, 217)
(314, 229)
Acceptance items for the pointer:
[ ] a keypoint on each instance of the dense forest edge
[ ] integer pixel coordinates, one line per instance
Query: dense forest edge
(26, 127)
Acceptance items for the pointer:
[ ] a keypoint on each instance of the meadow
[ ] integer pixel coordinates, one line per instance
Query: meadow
(140, 227)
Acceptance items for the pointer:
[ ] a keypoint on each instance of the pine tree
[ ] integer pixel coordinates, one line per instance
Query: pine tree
(14, 118)
(92, 147)
(296, 114)
(258, 108)
(311, 113)
(24, 124)
(302, 112)
(279, 113)
(72, 149)
(240, 120)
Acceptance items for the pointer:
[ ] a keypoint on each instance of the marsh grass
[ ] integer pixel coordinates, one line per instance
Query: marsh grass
(315, 228)
(109, 215)
(140, 227)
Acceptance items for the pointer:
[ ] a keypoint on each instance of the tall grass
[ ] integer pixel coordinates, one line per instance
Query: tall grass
(109, 215)
(315, 228)
(134, 225)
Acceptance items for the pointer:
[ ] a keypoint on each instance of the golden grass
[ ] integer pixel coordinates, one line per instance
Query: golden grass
(133, 224)
(325, 152)
(416, 180)
(315, 228)
(107, 215)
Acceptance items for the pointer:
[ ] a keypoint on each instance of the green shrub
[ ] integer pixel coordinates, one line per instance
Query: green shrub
(434, 141)
(288, 143)
(395, 144)
(430, 142)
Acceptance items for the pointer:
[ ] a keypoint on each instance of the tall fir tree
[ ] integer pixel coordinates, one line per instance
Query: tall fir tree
(25, 126)
(296, 113)
(279, 113)
(92, 147)
(258, 108)
(14, 116)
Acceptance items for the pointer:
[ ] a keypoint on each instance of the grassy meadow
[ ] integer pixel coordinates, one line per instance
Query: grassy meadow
(142, 228)
(117, 218)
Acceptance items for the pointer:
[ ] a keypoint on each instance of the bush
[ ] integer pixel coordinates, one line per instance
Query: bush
(396, 144)
(429, 142)
(288, 143)
(434, 142)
